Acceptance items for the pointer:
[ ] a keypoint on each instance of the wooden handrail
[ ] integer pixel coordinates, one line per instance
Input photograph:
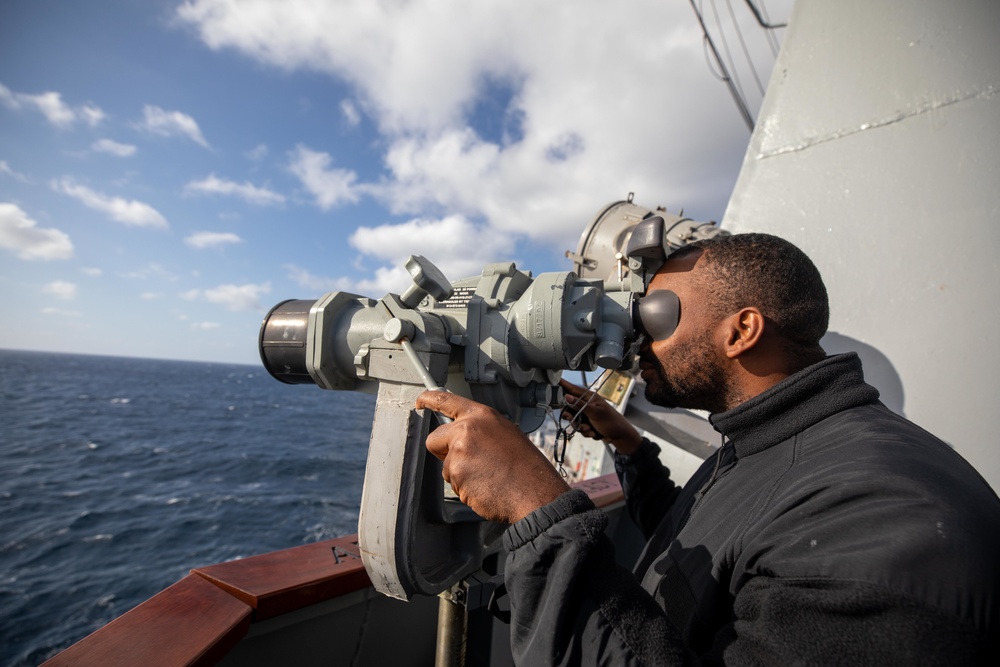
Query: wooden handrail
(190, 623)
(282, 581)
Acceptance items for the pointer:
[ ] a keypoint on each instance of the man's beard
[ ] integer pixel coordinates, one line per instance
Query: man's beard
(694, 379)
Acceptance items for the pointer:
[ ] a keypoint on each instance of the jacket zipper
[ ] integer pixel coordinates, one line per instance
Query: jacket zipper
(700, 496)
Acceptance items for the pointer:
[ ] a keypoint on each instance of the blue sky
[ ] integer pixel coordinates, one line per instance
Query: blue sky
(170, 170)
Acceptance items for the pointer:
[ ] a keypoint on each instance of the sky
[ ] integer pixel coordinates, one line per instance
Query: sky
(171, 170)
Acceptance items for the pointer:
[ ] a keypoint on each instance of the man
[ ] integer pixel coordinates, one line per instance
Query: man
(827, 530)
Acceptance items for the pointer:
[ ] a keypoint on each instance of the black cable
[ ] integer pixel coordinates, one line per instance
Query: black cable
(772, 40)
(729, 56)
(743, 45)
(762, 20)
(707, 45)
(740, 103)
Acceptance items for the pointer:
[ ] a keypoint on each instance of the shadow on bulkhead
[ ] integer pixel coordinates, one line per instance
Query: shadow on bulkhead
(879, 371)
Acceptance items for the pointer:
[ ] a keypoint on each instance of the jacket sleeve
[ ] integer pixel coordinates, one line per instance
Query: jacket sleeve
(571, 604)
(649, 491)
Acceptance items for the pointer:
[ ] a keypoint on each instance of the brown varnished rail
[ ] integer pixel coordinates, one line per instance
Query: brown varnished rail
(283, 581)
(192, 622)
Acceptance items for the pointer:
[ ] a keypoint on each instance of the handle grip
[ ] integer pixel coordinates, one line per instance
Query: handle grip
(413, 540)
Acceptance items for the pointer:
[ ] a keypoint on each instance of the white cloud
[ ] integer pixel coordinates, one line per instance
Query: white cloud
(257, 153)
(455, 245)
(113, 147)
(51, 105)
(351, 113)
(233, 297)
(205, 326)
(93, 272)
(238, 297)
(21, 234)
(202, 240)
(6, 169)
(171, 124)
(329, 186)
(61, 289)
(92, 115)
(212, 184)
(153, 270)
(61, 312)
(315, 283)
(126, 211)
(595, 101)
(151, 296)
(453, 235)
(8, 97)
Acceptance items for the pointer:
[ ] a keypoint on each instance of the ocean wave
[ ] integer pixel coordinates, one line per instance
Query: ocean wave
(120, 483)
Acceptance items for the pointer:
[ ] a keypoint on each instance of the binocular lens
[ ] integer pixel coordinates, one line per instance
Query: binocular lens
(282, 341)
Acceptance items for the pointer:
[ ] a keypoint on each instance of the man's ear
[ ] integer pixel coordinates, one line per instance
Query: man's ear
(743, 331)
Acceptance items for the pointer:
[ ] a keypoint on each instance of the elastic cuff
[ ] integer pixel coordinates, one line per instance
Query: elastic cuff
(647, 451)
(572, 502)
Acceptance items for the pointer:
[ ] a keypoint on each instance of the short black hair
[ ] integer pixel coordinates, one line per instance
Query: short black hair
(775, 276)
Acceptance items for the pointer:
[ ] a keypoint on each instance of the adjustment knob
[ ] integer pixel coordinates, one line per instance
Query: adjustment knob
(427, 279)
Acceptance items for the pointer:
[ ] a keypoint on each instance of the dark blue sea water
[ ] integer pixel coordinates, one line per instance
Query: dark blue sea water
(117, 476)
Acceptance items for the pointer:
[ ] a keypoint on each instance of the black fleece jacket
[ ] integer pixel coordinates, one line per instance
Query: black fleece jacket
(828, 530)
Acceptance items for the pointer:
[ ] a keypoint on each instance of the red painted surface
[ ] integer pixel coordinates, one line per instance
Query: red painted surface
(605, 490)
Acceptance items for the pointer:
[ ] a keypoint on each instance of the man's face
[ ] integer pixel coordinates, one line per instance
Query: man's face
(684, 370)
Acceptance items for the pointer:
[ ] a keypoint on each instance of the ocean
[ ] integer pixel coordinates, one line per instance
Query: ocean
(117, 476)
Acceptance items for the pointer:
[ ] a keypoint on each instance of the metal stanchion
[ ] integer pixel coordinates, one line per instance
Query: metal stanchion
(453, 621)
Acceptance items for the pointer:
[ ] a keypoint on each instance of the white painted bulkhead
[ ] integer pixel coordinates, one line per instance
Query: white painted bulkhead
(877, 151)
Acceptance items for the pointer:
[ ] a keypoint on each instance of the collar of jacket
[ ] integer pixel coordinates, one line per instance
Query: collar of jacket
(796, 403)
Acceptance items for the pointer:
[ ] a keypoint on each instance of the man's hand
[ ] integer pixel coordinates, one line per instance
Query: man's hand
(489, 463)
(602, 421)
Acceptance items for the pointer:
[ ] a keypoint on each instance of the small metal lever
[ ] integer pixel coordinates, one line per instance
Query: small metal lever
(401, 331)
